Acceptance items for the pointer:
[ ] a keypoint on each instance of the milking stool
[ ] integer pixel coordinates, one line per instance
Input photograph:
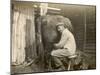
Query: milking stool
(71, 59)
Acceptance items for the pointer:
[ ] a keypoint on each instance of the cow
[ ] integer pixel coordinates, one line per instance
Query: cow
(46, 31)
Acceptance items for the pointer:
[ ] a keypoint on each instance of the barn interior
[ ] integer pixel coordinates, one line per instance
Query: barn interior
(83, 19)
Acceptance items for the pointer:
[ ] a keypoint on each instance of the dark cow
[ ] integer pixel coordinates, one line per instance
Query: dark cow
(47, 34)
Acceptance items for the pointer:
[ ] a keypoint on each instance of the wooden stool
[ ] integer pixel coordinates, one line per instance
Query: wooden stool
(71, 58)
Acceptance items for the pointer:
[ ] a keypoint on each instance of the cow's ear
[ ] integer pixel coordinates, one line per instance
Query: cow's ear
(44, 20)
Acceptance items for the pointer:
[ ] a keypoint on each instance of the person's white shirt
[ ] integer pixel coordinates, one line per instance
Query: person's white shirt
(67, 41)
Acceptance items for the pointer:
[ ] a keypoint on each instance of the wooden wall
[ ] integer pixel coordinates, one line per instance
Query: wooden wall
(90, 47)
(23, 32)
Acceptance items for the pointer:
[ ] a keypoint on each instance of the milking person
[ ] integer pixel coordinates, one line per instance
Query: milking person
(65, 47)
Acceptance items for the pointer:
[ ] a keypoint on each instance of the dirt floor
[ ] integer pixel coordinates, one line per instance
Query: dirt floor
(34, 67)
(24, 69)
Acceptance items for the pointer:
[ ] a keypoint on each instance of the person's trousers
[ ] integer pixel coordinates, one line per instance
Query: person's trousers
(58, 63)
(57, 54)
(61, 53)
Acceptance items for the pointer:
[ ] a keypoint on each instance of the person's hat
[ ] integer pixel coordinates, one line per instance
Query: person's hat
(59, 24)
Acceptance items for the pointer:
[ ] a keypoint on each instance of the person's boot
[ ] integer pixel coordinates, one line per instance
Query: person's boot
(58, 64)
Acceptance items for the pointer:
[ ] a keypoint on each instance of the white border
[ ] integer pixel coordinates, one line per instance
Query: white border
(5, 36)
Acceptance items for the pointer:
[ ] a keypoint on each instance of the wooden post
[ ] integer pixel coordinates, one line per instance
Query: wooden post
(43, 8)
(40, 45)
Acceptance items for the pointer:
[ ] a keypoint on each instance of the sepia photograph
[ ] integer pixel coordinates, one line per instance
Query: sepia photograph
(52, 37)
